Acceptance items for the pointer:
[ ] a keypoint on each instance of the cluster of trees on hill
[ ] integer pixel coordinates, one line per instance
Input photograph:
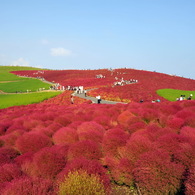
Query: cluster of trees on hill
(49, 148)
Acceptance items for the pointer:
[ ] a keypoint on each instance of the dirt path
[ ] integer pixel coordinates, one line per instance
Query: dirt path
(1, 92)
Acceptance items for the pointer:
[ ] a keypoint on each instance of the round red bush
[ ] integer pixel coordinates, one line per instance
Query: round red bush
(32, 142)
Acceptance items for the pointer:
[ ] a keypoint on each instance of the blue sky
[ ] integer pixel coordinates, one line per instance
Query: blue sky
(154, 35)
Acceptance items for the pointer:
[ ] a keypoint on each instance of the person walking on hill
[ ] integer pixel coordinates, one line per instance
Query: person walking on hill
(72, 99)
(85, 92)
(98, 99)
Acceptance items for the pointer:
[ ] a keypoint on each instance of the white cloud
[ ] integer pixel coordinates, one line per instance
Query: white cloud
(20, 62)
(60, 52)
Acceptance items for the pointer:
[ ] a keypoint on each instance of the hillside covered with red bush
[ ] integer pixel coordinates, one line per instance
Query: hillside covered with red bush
(145, 87)
(147, 146)
(56, 147)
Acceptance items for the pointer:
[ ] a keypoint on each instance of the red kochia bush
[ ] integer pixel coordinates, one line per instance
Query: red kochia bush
(7, 155)
(136, 146)
(156, 174)
(124, 118)
(170, 142)
(113, 140)
(185, 154)
(65, 135)
(9, 139)
(175, 123)
(48, 162)
(32, 142)
(88, 149)
(90, 131)
(188, 132)
(9, 172)
(26, 186)
(190, 182)
(122, 172)
(91, 166)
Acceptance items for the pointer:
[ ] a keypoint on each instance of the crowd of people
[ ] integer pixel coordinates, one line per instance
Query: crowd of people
(182, 97)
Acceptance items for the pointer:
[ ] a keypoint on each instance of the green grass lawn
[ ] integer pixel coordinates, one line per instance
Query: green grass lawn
(173, 94)
(8, 100)
(5, 74)
(23, 85)
(11, 83)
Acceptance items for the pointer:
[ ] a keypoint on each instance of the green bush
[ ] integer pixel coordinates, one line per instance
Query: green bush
(81, 183)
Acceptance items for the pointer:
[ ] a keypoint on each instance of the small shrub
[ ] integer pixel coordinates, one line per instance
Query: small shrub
(32, 142)
(170, 143)
(9, 172)
(113, 139)
(10, 139)
(188, 132)
(48, 162)
(122, 172)
(156, 174)
(175, 123)
(190, 182)
(65, 135)
(88, 126)
(136, 146)
(185, 154)
(80, 182)
(26, 186)
(86, 148)
(63, 120)
(92, 167)
(7, 155)
(149, 115)
(124, 118)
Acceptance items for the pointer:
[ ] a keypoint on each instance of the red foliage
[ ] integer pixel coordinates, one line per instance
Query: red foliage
(190, 182)
(170, 142)
(185, 154)
(87, 149)
(91, 166)
(7, 155)
(149, 115)
(190, 121)
(32, 142)
(63, 120)
(90, 131)
(136, 146)
(9, 172)
(26, 186)
(156, 174)
(9, 139)
(122, 137)
(65, 135)
(113, 140)
(24, 158)
(122, 172)
(175, 123)
(124, 118)
(48, 162)
(188, 132)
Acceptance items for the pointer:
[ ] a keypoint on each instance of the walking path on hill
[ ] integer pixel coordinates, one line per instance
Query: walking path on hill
(94, 100)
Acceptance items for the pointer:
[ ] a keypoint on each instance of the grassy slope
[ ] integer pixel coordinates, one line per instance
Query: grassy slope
(6, 76)
(12, 83)
(23, 85)
(172, 94)
(8, 100)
